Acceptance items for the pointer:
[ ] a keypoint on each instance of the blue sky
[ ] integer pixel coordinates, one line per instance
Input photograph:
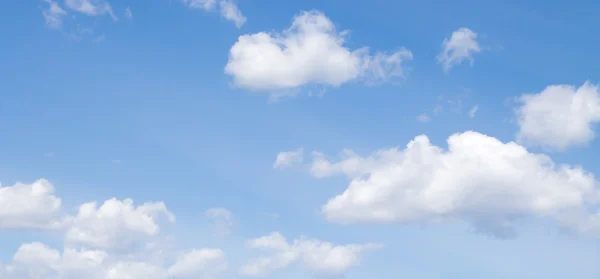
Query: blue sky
(105, 106)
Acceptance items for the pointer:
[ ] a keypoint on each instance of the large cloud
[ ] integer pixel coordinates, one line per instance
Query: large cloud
(29, 206)
(311, 51)
(116, 224)
(559, 117)
(36, 260)
(116, 240)
(479, 180)
(319, 256)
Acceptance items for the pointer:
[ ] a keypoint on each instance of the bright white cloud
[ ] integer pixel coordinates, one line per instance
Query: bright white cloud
(227, 8)
(116, 224)
(319, 256)
(114, 241)
(289, 158)
(29, 206)
(559, 117)
(223, 220)
(473, 111)
(91, 7)
(479, 180)
(53, 15)
(311, 51)
(459, 47)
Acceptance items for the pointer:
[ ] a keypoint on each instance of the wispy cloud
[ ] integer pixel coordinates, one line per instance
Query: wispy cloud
(128, 13)
(53, 15)
(473, 111)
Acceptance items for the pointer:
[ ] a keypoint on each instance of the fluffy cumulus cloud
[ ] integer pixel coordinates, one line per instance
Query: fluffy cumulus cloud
(461, 46)
(311, 51)
(289, 158)
(227, 8)
(478, 179)
(91, 7)
(559, 117)
(116, 224)
(116, 240)
(29, 206)
(322, 257)
(36, 260)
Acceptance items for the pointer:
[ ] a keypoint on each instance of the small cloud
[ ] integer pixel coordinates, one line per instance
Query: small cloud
(99, 39)
(230, 12)
(228, 9)
(128, 13)
(49, 154)
(437, 110)
(289, 158)
(116, 162)
(473, 111)
(459, 47)
(423, 118)
(222, 220)
(91, 8)
(53, 15)
(456, 104)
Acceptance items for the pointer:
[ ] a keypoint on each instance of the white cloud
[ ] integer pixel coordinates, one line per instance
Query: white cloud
(479, 180)
(204, 263)
(559, 117)
(459, 47)
(116, 224)
(473, 111)
(114, 241)
(128, 13)
(289, 158)
(311, 51)
(223, 220)
(319, 256)
(53, 15)
(228, 9)
(200, 4)
(423, 117)
(91, 8)
(36, 260)
(231, 12)
(29, 206)
(134, 269)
